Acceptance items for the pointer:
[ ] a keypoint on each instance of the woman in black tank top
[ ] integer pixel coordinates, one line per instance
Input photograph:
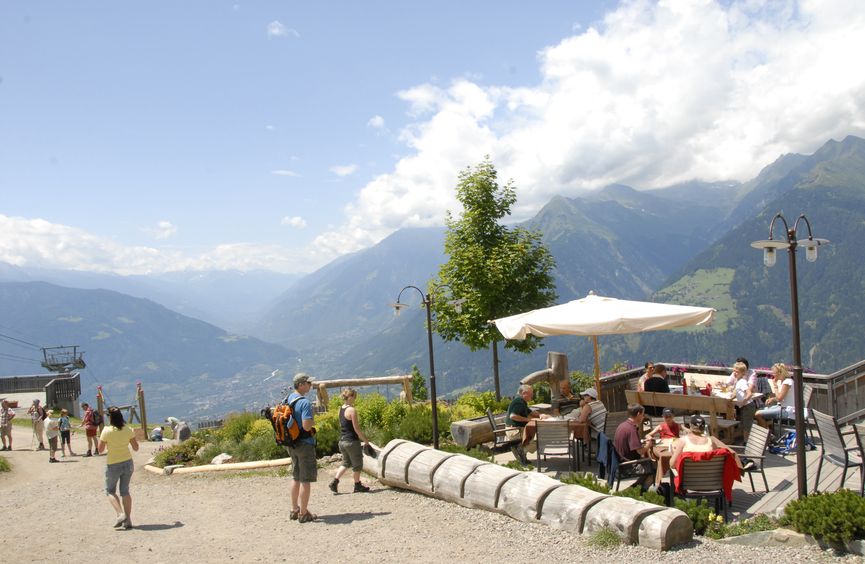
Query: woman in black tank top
(350, 437)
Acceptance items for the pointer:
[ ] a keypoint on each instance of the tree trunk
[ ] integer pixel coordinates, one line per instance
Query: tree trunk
(496, 370)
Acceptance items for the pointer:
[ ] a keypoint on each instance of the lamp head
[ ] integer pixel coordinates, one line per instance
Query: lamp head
(397, 307)
(811, 245)
(769, 257)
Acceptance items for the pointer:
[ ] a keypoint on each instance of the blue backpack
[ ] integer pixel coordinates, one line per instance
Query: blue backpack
(786, 444)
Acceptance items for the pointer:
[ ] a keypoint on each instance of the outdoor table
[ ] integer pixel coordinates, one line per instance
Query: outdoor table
(578, 429)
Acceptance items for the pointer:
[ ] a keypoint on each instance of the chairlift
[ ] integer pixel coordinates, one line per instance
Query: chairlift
(62, 359)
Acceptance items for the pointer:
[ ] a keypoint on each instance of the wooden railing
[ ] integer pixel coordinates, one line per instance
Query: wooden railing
(841, 393)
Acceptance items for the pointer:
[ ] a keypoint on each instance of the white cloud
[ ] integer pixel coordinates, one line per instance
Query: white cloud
(163, 230)
(284, 172)
(343, 170)
(38, 243)
(658, 93)
(376, 122)
(295, 221)
(276, 29)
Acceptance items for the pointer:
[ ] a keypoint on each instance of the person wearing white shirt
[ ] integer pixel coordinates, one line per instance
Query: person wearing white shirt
(782, 405)
(744, 398)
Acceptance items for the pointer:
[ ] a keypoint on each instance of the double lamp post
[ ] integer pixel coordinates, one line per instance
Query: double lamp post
(770, 247)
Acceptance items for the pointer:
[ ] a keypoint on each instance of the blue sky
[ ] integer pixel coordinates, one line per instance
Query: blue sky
(160, 136)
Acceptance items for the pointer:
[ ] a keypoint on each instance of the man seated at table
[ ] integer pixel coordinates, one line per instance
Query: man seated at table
(657, 383)
(669, 429)
(518, 416)
(629, 446)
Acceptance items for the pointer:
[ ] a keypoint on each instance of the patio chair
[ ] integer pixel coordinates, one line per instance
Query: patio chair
(554, 438)
(628, 469)
(835, 450)
(704, 479)
(785, 423)
(501, 443)
(754, 450)
(597, 424)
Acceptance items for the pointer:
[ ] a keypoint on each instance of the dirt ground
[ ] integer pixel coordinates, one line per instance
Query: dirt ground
(59, 513)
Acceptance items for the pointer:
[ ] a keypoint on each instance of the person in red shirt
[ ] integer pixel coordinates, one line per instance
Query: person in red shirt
(669, 429)
(90, 429)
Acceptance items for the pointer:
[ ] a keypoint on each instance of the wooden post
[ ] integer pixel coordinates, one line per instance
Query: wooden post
(597, 367)
(100, 405)
(143, 414)
(406, 388)
(323, 398)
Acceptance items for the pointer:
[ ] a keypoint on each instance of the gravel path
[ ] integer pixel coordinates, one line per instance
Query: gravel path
(58, 512)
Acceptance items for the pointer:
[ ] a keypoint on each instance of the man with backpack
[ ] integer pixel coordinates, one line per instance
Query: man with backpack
(302, 452)
(37, 417)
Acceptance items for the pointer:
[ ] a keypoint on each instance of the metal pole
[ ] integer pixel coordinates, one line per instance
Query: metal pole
(432, 372)
(798, 396)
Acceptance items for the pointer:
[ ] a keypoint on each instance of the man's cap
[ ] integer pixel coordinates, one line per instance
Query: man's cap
(591, 392)
(301, 378)
(667, 411)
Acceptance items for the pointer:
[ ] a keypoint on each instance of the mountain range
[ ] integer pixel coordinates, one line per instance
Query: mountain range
(688, 244)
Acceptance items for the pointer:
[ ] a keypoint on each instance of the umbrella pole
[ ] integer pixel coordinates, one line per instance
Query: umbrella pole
(597, 366)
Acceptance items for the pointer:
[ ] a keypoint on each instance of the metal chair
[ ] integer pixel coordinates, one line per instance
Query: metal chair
(754, 450)
(628, 469)
(790, 424)
(501, 442)
(554, 438)
(835, 450)
(704, 479)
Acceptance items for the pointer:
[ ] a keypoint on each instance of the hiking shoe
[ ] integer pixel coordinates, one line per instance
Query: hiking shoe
(127, 524)
(334, 485)
(360, 488)
(307, 517)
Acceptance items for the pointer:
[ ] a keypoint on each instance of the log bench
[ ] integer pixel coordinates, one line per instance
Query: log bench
(721, 412)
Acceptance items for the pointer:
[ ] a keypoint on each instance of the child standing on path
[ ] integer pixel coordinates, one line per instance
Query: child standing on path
(52, 431)
(65, 433)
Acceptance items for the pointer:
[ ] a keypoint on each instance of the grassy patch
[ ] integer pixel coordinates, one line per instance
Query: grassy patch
(605, 538)
(709, 288)
(4, 464)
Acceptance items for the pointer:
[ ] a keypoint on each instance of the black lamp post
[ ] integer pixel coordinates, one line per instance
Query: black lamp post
(770, 247)
(426, 301)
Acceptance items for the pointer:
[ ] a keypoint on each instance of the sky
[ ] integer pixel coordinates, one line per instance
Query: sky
(140, 138)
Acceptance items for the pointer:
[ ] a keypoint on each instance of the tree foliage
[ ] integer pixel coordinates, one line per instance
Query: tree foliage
(497, 270)
(418, 385)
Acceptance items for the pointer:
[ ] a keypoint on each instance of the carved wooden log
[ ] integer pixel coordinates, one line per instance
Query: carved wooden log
(450, 478)
(566, 507)
(521, 497)
(539, 376)
(423, 467)
(397, 461)
(526, 496)
(665, 529)
(621, 514)
(469, 433)
(483, 486)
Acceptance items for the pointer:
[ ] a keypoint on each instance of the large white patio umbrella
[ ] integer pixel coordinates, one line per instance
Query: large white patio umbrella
(597, 315)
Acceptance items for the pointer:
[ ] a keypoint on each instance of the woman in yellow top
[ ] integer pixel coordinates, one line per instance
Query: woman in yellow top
(117, 438)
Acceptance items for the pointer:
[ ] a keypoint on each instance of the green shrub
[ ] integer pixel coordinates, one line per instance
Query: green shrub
(479, 402)
(416, 425)
(517, 465)
(237, 425)
(759, 522)
(260, 428)
(541, 391)
(327, 433)
(394, 413)
(258, 448)
(635, 492)
(184, 453)
(370, 409)
(459, 412)
(209, 451)
(698, 511)
(837, 517)
(586, 480)
(581, 380)
(4, 464)
(604, 538)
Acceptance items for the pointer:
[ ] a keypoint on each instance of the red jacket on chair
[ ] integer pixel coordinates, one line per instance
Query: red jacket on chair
(731, 469)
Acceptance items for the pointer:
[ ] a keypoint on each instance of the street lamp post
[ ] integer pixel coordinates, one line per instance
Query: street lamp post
(770, 246)
(426, 301)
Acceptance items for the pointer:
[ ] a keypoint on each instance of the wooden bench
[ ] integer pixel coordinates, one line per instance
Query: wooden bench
(721, 412)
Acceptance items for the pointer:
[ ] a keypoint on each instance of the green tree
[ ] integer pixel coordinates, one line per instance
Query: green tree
(418, 385)
(495, 271)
